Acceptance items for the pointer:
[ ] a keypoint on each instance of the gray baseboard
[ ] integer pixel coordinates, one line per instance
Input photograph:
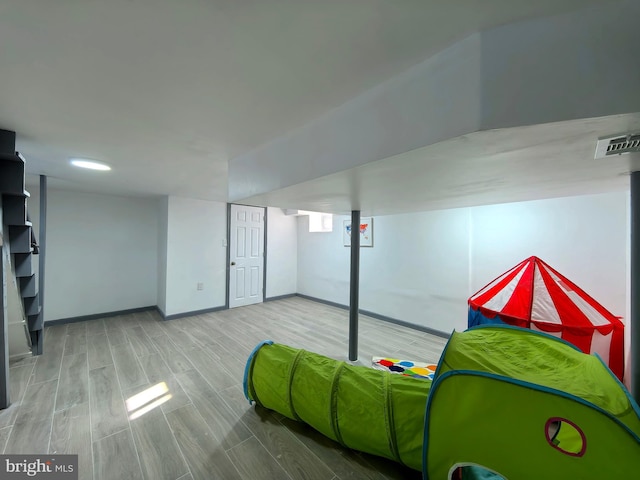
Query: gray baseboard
(321, 300)
(192, 313)
(377, 316)
(280, 297)
(384, 318)
(95, 316)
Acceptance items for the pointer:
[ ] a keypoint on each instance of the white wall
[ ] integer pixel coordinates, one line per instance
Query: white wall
(102, 253)
(323, 263)
(424, 266)
(108, 253)
(402, 275)
(584, 238)
(416, 273)
(282, 253)
(196, 232)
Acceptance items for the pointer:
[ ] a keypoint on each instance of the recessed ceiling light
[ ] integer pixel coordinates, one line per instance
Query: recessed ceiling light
(90, 164)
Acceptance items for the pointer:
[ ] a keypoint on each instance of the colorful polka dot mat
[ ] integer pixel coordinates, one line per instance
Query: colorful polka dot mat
(405, 367)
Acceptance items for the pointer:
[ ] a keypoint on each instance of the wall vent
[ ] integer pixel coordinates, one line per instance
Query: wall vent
(618, 144)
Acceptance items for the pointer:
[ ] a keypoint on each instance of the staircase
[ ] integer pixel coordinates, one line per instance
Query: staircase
(19, 246)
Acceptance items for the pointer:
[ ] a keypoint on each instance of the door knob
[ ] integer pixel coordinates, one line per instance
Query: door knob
(233, 263)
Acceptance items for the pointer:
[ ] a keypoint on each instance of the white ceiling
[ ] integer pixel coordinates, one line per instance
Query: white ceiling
(167, 92)
(496, 166)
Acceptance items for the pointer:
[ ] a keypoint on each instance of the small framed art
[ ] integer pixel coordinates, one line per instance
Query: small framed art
(366, 232)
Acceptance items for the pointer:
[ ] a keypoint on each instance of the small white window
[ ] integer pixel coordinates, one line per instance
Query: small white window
(320, 222)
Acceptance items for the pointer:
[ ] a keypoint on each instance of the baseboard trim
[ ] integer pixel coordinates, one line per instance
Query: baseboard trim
(422, 328)
(280, 297)
(384, 318)
(95, 316)
(192, 313)
(322, 300)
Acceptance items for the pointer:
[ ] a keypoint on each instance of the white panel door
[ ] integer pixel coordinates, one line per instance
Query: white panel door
(246, 254)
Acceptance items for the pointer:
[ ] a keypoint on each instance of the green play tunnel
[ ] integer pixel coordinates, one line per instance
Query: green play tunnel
(506, 402)
(361, 408)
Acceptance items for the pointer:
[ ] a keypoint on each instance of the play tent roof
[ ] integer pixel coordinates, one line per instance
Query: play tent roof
(527, 406)
(534, 295)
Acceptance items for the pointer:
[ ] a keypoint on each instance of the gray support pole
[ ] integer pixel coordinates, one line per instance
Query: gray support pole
(264, 255)
(634, 323)
(226, 298)
(42, 253)
(7, 147)
(354, 285)
(4, 325)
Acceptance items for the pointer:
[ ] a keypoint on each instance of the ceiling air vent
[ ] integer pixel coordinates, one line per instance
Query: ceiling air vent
(618, 144)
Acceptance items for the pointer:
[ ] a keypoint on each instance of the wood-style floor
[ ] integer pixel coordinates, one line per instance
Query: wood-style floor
(75, 398)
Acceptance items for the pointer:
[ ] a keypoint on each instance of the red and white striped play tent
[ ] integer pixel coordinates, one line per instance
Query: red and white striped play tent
(534, 295)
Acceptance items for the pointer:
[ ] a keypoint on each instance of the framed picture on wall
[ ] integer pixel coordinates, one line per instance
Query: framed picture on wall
(366, 232)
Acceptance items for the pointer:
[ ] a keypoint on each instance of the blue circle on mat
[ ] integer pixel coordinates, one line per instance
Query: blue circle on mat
(406, 364)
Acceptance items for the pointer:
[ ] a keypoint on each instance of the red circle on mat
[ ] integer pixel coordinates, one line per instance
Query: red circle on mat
(385, 363)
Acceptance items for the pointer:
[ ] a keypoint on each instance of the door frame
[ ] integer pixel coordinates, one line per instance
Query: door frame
(264, 253)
